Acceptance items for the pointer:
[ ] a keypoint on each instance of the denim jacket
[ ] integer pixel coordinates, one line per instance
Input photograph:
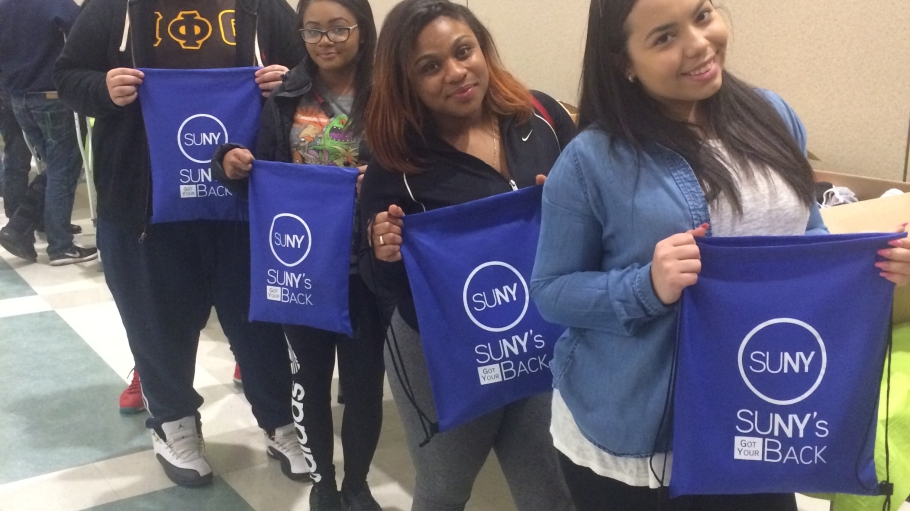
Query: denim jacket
(604, 210)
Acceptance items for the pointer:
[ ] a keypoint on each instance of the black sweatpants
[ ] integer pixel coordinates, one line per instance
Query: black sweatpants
(592, 492)
(165, 287)
(361, 371)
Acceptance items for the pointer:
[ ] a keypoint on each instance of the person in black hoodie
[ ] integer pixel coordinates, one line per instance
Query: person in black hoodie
(165, 278)
(449, 125)
(330, 87)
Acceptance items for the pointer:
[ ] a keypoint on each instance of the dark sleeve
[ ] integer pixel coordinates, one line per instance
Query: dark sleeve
(286, 46)
(380, 189)
(268, 139)
(238, 187)
(65, 14)
(80, 73)
(266, 149)
(562, 122)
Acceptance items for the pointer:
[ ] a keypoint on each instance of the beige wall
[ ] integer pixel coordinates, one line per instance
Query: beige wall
(843, 66)
(541, 41)
(382, 7)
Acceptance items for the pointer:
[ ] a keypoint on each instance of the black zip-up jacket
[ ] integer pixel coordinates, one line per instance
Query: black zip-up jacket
(453, 177)
(122, 169)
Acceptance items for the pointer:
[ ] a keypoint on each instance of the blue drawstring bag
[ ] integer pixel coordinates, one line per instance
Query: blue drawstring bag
(469, 266)
(188, 114)
(781, 350)
(301, 224)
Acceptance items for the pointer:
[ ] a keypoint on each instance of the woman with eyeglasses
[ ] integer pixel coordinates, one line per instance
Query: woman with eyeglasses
(448, 125)
(315, 117)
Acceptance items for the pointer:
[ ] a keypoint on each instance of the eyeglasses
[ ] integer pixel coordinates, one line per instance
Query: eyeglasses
(335, 35)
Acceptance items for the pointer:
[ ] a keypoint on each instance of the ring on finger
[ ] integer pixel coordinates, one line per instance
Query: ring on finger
(381, 241)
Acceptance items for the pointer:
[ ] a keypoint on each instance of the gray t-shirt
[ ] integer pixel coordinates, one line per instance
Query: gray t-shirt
(770, 206)
(342, 104)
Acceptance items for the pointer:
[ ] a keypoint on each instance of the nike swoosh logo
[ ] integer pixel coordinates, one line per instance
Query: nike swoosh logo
(526, 137)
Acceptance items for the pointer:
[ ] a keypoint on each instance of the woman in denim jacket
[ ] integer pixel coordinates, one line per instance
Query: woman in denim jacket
(671, 141)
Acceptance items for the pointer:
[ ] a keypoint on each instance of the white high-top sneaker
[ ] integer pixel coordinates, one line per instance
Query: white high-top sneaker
(181, 451)
(284, 447)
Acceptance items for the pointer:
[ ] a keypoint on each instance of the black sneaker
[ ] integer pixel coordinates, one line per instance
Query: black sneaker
(325, 497)
(359, 499)
(19, 245)
(75, 255)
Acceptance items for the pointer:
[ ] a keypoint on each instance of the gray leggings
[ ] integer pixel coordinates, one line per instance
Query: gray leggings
(448, 465)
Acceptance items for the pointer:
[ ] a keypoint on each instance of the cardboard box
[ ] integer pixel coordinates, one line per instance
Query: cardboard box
(572, 110)
(871, 214)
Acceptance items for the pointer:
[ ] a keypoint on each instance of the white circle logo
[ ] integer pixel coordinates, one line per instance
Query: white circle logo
(204, 134)
(788, 366)
(290, 240)
(492, 300)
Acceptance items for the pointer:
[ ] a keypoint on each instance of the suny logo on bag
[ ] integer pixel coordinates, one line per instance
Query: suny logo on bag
(496, 299)
(301, 225)
(485, 343)
(783, 362)
(291, 240)
(780, 356)
(200, 110)
(197, 138)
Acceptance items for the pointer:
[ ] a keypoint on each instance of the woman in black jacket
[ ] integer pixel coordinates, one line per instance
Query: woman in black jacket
(449, 125)
(328, 88)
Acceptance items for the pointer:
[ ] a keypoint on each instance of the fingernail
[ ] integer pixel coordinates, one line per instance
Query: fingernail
(884, 252)
(880, 265)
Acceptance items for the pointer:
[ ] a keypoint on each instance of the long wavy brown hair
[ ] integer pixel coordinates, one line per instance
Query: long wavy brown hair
(395, 117)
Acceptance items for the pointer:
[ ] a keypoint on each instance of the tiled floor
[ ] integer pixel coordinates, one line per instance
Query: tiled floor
(63, 362)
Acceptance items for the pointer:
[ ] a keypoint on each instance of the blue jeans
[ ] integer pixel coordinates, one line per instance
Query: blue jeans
(50, 127)
(16, 159)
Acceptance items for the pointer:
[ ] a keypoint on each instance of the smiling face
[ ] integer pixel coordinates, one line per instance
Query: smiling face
(449, 71)
(328, 55)
(676, 50)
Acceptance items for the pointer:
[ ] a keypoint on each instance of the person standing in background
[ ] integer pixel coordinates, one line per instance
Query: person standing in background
(32, 34)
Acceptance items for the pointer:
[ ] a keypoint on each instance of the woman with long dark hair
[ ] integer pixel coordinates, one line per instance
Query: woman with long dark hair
(674, 147)
(449, 125)
(330, 86)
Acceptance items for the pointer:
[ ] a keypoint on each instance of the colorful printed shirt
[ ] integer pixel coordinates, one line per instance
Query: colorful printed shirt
(321, 133)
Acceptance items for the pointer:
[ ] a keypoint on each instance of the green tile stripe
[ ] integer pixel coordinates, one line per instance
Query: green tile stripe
(11, 284)
(219, 496)
(59, 405)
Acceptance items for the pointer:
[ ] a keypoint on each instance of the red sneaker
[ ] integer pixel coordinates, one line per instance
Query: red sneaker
(237, 379)
(131, 399)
